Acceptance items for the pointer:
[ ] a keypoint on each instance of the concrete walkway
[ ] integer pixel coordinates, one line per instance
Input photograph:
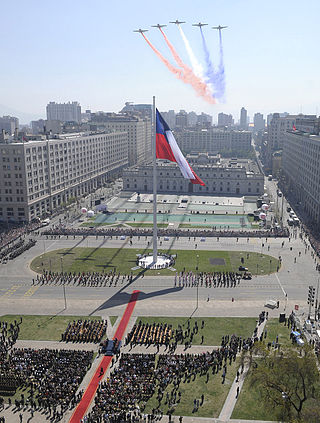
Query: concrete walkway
(12, 415)
(232, 397)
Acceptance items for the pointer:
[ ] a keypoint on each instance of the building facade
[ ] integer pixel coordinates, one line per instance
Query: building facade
(243, 118)
(277, 132)
(9, 124)
(65, 112)
(221, 176)
(38, 176)
(225, 120)
(213, 140)
(300, 165)
(258, 122)
(137, 128)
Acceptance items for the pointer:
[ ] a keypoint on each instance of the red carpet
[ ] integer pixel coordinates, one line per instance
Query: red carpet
(89, 393)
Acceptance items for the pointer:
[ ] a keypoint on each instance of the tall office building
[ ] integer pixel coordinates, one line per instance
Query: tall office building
(276, 132)
(225, 120)
(138, 129)
(192, 119)
(213, 140)
(204, 120)
(308, 123)
(300, 165)
(38, 176)
(258, 122)
(65, 112)
(9, 124)
(243, 118)
(181, 119)
(142, 109)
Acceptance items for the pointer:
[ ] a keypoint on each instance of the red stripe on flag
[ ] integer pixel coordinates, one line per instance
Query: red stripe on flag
(197, 180)
(163, 149)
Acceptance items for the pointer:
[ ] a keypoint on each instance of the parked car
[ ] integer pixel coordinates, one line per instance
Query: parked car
(242, 268)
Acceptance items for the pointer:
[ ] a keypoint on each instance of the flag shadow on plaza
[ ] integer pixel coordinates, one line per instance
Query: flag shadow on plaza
(121, 297)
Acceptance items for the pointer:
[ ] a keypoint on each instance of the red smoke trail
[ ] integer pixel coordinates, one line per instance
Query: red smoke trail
(186, 75)
(200, 87)
(173, 69)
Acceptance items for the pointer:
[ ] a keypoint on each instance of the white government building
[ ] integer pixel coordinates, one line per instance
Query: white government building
(221, 176)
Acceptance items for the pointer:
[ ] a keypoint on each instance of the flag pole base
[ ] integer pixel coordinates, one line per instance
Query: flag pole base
(163, 261)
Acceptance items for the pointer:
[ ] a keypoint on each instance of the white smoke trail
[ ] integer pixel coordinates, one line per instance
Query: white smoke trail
(196, 66)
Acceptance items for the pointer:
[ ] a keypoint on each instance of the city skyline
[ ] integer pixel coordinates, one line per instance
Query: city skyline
(266, 70)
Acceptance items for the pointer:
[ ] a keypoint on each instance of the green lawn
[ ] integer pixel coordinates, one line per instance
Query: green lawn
(249, 406)
(113, 319)
(123, 259)
(275, 328)
(214, 328)
(214, 392)
(43, 328)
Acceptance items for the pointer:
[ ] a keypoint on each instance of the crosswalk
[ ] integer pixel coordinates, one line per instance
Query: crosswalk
(18, 291)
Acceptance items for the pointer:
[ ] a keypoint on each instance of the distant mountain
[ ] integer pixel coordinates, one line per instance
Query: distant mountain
(23, 116)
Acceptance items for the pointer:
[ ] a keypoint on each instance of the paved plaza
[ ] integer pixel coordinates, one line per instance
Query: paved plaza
(159, 295)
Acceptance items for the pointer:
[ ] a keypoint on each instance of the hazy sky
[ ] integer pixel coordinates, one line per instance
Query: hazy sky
(86, 51)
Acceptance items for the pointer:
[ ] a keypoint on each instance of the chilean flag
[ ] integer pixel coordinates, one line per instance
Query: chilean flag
(167, 148)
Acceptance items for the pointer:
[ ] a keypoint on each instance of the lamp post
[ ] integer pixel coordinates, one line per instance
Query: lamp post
(64, 288)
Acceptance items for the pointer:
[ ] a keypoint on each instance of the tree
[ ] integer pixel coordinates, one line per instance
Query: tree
(287, 380)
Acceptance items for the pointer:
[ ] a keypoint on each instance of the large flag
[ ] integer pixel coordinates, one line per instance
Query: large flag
(167, 148)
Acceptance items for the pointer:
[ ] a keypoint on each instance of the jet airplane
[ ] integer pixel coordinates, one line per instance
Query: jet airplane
(199, 24)
(219, 27)
(158, 26)
(177, 22)
(140, 30)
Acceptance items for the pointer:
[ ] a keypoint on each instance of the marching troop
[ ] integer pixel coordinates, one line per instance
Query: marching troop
(84, 279)
(207, 279)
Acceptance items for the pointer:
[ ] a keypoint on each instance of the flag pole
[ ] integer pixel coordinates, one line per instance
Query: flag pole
(154, 152)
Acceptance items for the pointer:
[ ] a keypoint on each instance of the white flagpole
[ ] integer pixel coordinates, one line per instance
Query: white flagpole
(154, 130)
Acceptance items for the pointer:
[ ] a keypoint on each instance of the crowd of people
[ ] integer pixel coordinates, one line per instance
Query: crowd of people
(207, 279)
(85, 331)
(85, 279)
(131, 383)
(57, 231)
(138, 377)
(14, 250)
(50, 378)
(14, 233)
(8, 335)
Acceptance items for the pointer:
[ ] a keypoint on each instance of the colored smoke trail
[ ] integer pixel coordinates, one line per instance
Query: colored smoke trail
(221, 73)
(199, 85)
(210, 73)
(180, 74)
(196, 66)
(176, 71)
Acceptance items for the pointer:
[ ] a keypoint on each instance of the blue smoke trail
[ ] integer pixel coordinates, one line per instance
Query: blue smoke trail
(215, 78)
(221, 73)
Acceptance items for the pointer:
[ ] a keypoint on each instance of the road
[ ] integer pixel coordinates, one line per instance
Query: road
(159, 295)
